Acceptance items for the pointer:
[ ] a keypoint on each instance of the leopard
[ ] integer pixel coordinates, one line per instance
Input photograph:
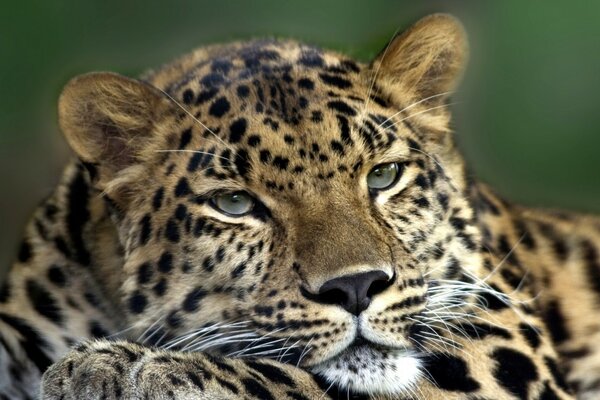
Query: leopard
(266, 219)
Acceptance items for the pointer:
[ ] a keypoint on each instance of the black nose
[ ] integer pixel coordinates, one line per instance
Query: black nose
(352, 292)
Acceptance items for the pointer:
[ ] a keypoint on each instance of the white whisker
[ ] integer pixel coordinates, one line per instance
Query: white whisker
(411, 106)
(374, 79)
(185, 110)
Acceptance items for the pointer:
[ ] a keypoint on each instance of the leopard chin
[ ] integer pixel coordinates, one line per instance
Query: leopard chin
(372, 369)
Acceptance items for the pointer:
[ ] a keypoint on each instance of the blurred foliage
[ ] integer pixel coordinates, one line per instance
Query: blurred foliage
(526, 116)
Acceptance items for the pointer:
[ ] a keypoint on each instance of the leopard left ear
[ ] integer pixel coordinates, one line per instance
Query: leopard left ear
(425, 61)
(109, 121)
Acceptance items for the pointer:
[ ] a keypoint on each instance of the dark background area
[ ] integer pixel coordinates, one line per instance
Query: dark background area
(527, 117)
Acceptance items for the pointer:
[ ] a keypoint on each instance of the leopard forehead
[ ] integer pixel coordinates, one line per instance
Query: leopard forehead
(279, 114)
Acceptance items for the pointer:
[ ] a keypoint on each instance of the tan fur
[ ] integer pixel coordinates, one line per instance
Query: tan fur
(146, 255)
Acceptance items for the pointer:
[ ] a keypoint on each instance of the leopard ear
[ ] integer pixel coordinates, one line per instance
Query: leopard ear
(424, 61)
(108, 119)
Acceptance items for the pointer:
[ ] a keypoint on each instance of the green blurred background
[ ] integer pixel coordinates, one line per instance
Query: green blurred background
(528, 117)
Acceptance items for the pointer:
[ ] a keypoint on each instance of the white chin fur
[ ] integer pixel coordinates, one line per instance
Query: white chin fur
(369, 370)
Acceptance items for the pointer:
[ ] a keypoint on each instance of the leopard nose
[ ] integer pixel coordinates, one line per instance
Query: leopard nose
(353, 292)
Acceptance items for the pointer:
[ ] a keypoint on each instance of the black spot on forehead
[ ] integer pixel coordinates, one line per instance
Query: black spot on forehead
(188, 96)
(253, 140)
(306, 83)
(344, 129)
(265, 156)
(281, 162)
(206, 95)
(311, 58)
(243, 91)
(237, 130)
(186, 137)
(350, 65)
(194, 162)
(213, 80)
(182, 188)
(219, 107)
(336, 81)
(342, 107)
(254, 56)
(242, 162)
(289, 139)
(221, 65)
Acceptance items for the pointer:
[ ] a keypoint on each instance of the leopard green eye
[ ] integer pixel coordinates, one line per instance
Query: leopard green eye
(235, 204)
(383, 176)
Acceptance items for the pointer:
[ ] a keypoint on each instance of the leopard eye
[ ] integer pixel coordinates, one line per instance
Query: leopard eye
(383, 176)
(235, 204)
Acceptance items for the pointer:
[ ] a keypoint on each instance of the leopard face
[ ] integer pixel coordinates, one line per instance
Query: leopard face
(276, 200)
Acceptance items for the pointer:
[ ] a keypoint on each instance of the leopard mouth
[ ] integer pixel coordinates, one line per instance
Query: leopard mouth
(359, 345)
(368, 368)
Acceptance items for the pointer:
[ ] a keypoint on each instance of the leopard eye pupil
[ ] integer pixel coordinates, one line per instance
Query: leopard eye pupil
(383, 176)
(236, 203)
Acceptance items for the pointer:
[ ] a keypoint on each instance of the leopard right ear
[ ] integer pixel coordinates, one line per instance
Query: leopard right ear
(108, 119)
(426, 61)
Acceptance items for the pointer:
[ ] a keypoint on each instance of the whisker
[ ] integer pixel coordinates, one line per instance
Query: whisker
(250, 350)
(327, 390)
(266, 353)
(374, 79)
(211, 339)
(194, 334)
(143, 336)
(119, 333)
(266, 335)
(293, 346)
(506, 256)
(420, 112)
(307, 349)
(185, 110)
(202, 337)
(285, 344)
(436, 162)
(211, 342)
(160, 339)
(411, 106)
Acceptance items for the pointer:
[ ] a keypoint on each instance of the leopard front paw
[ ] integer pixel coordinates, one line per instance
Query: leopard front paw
(120, 370)
(96, 370)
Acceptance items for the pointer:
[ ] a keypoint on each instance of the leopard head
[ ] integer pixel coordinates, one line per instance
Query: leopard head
(276, 200)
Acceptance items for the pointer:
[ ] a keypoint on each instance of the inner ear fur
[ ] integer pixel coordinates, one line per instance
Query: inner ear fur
(425, 61)
(107, 119)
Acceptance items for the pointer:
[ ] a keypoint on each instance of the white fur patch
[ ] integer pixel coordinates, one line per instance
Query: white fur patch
(371, 370)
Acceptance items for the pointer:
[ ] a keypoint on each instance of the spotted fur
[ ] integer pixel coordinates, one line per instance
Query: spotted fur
(130, 283)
